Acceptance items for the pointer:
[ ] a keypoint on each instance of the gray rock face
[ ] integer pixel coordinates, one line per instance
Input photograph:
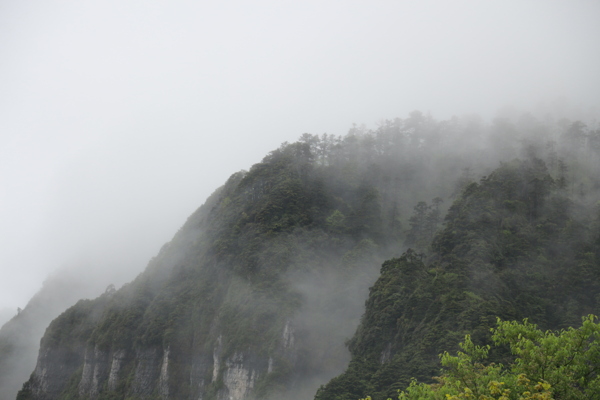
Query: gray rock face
(201, 374)
(115, 367)
(102, 371)
(216, 359)
(147, 372)
(194, 325)
(163, 380)
(239, 378)
(20, 337)
(95, 368)
(54, 368)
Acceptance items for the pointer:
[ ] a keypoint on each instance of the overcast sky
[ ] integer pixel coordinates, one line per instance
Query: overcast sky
(119, 118)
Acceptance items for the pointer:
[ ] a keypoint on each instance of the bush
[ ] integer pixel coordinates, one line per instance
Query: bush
(546, 365)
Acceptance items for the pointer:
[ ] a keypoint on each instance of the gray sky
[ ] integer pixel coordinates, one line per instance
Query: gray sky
(119, 118)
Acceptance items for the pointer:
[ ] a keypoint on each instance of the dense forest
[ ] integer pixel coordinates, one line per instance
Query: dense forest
(441, 226)
(514, 246)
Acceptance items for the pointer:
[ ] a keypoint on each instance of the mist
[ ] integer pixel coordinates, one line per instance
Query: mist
(314, 250)
(118, 120)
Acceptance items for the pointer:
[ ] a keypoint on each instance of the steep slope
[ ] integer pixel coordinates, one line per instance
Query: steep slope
(256, 294)
(516, 245)
(20, 336)
(261, 287)
(224, 311)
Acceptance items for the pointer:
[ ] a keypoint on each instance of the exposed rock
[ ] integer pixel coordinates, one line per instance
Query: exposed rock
(288, 336)
(115, 368)
(147, 372)
(86, 375)
(200, 374)
(216, 362)
(95, 366)
(163, 380)
(54, 368)
(288, 342)
(386, 354)
(20, 337)
(238, 378)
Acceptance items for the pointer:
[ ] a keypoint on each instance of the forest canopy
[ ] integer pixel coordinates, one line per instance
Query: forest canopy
(269, 277)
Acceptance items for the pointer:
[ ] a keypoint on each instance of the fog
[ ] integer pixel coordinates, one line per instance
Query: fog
(117, 119)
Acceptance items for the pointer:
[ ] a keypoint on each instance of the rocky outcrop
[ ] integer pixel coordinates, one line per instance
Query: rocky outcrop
(95, 372)
(200, 375)
(288, 336)
(20, 337)
(238, 378)
(214, 375)
(216, 359)
(222, 311)
(116, 365)
(101, 369)
(163, 380)
(54, 368)
(147, 372)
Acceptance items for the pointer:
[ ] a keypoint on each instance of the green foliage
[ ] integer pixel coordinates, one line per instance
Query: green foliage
(424, 224)
(516, 244)
(512, 246)
(336, 222)
(547, 365)
(224, 280)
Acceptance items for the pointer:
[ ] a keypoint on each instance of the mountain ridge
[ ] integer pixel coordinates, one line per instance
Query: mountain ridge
(259, 290)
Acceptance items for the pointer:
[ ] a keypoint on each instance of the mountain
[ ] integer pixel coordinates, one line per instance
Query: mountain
(259, 290)
(518, 244)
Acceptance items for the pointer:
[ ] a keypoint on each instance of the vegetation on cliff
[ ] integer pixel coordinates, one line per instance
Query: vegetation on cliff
(258, 291)
(523, 242)
(544, 365)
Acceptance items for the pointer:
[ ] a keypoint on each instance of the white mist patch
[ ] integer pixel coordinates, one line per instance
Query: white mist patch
(6, 314)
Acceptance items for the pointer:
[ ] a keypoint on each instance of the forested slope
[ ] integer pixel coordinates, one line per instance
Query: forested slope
(523, 242)
(257, 293)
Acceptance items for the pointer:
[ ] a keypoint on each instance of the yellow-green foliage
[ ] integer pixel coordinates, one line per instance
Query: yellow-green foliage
(547, 365)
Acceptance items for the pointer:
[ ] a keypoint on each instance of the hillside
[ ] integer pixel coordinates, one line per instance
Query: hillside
(518, 244)
(20, 336)
(257, 293)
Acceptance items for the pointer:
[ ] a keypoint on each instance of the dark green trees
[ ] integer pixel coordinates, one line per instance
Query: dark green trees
(545, 365)
(424, 223)
(513, 246)
(266, 281)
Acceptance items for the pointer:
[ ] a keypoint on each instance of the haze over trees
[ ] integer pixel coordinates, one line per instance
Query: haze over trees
(522, 242)
(259, 291)
(339, 265)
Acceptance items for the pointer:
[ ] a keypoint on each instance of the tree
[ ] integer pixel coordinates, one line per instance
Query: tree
(434, 217)
(417, 236)
(594, 141)
(546, 365)
(423, 224)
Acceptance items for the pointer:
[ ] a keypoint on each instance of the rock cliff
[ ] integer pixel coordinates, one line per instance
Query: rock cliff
(253, 297)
